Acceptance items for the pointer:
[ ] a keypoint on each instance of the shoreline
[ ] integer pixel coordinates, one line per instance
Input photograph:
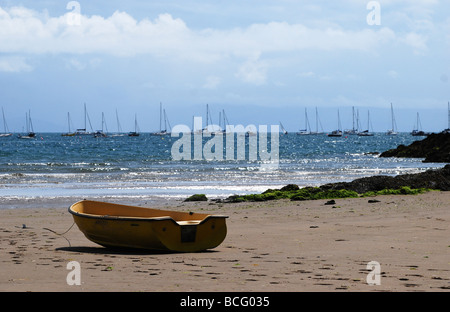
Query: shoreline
(421, 179)
(275, 246)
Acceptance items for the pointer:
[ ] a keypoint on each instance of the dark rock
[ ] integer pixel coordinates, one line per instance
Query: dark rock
(370, 201)
(434, 148)
(330, 202)
(197, 197)
(290, 187)
(438, 179)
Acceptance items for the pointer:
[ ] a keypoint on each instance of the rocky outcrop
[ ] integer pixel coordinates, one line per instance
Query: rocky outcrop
(438, 179)
(434, 148)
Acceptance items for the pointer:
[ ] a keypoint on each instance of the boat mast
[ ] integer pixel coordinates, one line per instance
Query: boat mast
(358, 125)
(160, 116)
(5, 126)
(207, 112)
(339, 121)
(31, 123)
(103, 120)
(419, 124)
(68, 120)
(307, 125)
(166, 122)
(317, 122)
(225, 121)
(119, 128)
(353, 118)
(393, 118)
(135, 123)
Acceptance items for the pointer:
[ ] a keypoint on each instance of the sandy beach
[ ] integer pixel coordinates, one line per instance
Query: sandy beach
(274, 246)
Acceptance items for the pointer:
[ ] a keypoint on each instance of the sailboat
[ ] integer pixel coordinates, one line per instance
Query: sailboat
(354, 129)
(338, 132)
(67, 134)
(448, 115)
(119, 128)
(317, 124)
(393, 130)
(162, 113)
(366, 132)
(209, 124)
(417, 131)
(307, 129)
(101, 133)
(167, 126)
(6, 132)
(225, 121)
(29, 125)
(83, 131)
(135, 133)
(195, 130)
(283, 129)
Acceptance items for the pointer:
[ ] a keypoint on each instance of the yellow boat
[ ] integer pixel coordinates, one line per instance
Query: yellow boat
(114, 225)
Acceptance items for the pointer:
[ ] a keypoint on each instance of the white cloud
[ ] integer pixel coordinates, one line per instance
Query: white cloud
(75, 64)
(253, 71)
(14, 64)
(416, 41)
(26, 31)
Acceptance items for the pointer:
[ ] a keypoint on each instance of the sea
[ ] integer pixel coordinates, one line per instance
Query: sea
(142, 168)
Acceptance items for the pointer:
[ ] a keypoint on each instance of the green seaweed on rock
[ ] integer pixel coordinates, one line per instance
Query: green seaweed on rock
(314, 193)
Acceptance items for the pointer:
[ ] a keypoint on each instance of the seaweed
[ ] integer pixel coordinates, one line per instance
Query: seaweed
(314, 193)
(404, 190)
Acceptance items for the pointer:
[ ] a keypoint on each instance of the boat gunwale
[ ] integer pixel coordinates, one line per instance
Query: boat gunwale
(146, 219)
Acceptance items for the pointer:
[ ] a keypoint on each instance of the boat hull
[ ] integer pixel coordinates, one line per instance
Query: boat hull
(113, 225)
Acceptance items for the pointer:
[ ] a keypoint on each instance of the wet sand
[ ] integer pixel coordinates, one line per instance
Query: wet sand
(275, 246)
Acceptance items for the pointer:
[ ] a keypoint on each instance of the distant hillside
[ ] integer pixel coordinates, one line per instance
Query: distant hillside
(434, 148)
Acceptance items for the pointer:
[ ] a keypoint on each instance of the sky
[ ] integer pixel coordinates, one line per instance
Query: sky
(261, 61)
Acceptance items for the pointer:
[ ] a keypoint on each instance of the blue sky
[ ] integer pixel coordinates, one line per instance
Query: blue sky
(261, 61)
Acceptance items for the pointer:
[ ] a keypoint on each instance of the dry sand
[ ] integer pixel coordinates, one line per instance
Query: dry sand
(276, 246)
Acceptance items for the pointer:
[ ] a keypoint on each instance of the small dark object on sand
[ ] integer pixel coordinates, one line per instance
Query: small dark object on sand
(197, 197)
